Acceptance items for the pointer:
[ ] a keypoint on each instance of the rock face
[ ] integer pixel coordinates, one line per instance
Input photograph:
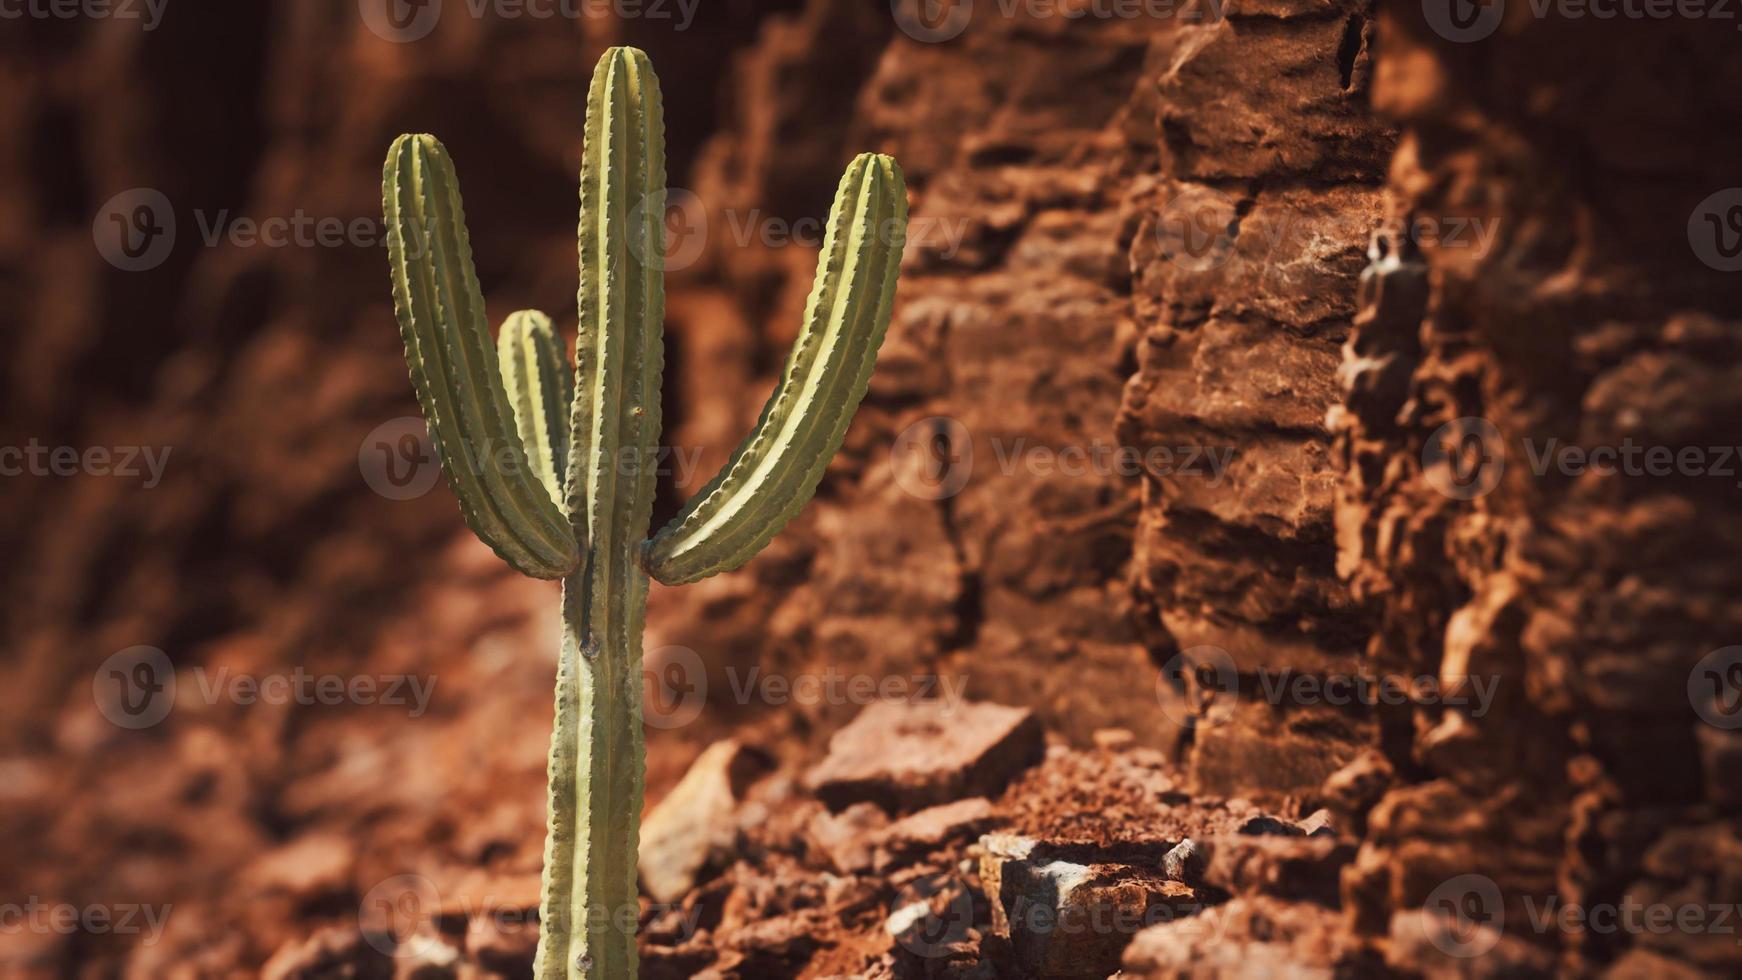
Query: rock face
(1549, 276)
(1244, 264)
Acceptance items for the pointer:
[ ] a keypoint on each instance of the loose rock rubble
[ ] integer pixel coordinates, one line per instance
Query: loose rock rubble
(929, 860)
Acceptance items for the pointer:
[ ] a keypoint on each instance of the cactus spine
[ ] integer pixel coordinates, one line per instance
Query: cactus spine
(569, 495)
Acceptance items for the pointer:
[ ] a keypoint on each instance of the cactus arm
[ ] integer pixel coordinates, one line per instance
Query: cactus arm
(776, 470)
(536, 377)
(447, 348)
(597, 752)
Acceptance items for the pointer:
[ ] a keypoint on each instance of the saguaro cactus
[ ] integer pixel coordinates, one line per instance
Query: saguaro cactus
(570, 497)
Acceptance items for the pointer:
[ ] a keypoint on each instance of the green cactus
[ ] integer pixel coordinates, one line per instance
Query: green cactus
(571, 499)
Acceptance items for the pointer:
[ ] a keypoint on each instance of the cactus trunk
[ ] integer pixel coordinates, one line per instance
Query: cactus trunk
(506, 455)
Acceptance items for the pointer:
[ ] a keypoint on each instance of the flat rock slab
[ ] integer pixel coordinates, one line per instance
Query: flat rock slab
(906, 756)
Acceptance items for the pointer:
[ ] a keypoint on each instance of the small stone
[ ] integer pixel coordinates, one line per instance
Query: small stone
(1318, 824)
(429, 958)
(1114, 739)
(911, 755)
(1185, 863)
(692, 830)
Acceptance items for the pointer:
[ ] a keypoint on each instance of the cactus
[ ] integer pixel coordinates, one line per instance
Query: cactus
(571, 498)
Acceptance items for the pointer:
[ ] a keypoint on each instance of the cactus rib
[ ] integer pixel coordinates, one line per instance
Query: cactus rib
(441, 320)
(777, 468)
(536, 376)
